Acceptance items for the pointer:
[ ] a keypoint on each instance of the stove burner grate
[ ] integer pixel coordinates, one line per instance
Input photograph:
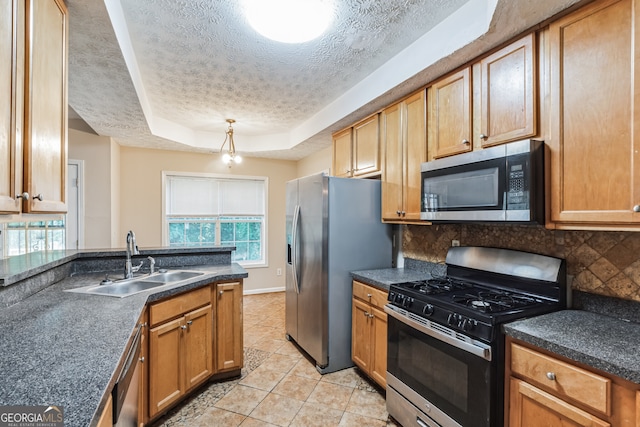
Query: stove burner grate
(493, 301)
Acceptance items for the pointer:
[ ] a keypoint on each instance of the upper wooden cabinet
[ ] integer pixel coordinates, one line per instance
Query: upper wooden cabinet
(490, 103)
(450, 126)
(342, 142)
(11, 85)
(404, 145)
(595, 110)
(508, 107)
(356, 150)
(33, 118)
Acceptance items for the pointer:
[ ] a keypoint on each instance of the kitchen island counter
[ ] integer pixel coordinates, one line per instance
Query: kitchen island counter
(65, 348)
(602, 342)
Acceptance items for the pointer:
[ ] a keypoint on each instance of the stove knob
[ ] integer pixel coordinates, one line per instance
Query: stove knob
(465, 324)
(399, 299)
(392, 296)
(451, 319)
(427, 310)
(408, 301)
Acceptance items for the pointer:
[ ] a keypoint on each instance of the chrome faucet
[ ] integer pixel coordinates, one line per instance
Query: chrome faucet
(132, 249)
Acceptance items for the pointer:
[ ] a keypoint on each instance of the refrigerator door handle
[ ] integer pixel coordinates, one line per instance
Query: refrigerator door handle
(294, 244)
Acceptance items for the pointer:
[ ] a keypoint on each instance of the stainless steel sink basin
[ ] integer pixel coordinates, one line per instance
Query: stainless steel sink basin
(172, 276)
(125, 288)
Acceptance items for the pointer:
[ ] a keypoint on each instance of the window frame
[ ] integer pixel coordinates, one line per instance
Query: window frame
(265, 238)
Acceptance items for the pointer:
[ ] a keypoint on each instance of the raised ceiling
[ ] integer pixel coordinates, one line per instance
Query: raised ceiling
(167, 73)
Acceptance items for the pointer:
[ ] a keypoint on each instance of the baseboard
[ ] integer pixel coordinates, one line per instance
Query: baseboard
(262, 291)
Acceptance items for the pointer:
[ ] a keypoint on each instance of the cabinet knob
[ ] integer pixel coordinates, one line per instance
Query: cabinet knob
(398, 213)
(370, 316)
(183, 327)
(636, 208)
(221, 293)
(369, 295)
(39, 197)
(366, 314)
(483, 136)
(465, 141)
(403, 213)
(551, 376)
(24, 196)
(141, 359)
(190, 322)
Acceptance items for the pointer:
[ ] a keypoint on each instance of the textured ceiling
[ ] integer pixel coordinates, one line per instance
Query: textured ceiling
(167, 73)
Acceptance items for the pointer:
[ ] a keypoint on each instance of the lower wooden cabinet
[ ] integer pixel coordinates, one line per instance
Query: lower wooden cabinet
(369, 331)
(229, 338)
(180, 357)
(548, 390)
(106, 417)
(191, 337)
(180, 349)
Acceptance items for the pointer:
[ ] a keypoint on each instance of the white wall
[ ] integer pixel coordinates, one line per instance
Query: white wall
(318, 162)
(96, 151)
(141, 200)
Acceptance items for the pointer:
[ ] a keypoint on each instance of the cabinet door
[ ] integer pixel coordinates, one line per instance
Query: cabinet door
(415, 153)
(342, 154)
(45, 146)
(449, 123)
(595, 93)
(228, 326)
(143, 413)
(360, 334)
(508, 87)
(198, 346)
(165, 365)
(379, 346)
(10, 108)
(392, 174)
(532, 407)
(366, 146)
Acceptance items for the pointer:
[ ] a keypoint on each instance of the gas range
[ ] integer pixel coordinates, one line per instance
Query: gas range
(445, 354)
(465, 306)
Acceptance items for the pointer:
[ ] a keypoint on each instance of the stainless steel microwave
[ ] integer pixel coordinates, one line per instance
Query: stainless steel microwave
(504, 183)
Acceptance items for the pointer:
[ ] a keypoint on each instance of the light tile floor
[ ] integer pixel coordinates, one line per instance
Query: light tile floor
(279, 386)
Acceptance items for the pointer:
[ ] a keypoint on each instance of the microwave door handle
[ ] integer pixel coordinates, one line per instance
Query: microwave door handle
(294, 247)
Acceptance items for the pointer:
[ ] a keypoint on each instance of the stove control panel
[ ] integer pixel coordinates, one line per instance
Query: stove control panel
(443, 315)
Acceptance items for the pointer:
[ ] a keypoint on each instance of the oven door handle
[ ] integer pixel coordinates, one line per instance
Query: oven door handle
(475, 347)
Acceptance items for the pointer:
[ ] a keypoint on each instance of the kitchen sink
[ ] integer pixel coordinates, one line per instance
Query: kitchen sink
(128, 287)
(172, 276)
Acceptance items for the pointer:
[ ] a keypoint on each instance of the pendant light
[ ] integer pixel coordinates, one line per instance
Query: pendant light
(230, 157)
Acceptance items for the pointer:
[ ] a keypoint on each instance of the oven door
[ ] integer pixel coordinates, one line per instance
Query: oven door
(448, 383)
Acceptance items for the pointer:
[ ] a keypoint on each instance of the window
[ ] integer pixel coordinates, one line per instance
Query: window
(24, 237)
(207, 210)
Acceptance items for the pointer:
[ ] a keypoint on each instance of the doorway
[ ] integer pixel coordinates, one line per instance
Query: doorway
(75, 204)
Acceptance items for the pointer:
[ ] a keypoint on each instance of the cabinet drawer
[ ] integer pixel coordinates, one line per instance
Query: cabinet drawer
(179, 305)
(564, 379)
(377, 297)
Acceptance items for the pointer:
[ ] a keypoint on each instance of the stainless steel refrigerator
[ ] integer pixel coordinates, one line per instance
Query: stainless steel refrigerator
(333, 227)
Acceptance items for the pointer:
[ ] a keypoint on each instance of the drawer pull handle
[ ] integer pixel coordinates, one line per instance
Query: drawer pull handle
(551, 376)
(465, 141)
(636, 208)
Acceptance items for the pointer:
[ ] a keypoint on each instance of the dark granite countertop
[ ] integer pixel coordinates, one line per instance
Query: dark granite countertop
(413, 270)
(603, 342)
(64, 348)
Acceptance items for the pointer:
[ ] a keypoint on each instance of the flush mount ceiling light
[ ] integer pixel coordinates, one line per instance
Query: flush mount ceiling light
(289, 21)
(230, 157)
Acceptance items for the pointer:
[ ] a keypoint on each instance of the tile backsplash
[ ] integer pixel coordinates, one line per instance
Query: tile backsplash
(601, 262)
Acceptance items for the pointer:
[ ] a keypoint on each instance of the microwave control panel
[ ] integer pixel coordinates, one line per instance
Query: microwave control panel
(517, 184)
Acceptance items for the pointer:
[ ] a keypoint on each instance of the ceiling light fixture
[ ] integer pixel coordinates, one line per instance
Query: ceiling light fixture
(230, 156)
(289, 21)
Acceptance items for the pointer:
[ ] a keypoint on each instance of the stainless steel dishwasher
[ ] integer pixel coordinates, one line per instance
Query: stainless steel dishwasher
(125, 392)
